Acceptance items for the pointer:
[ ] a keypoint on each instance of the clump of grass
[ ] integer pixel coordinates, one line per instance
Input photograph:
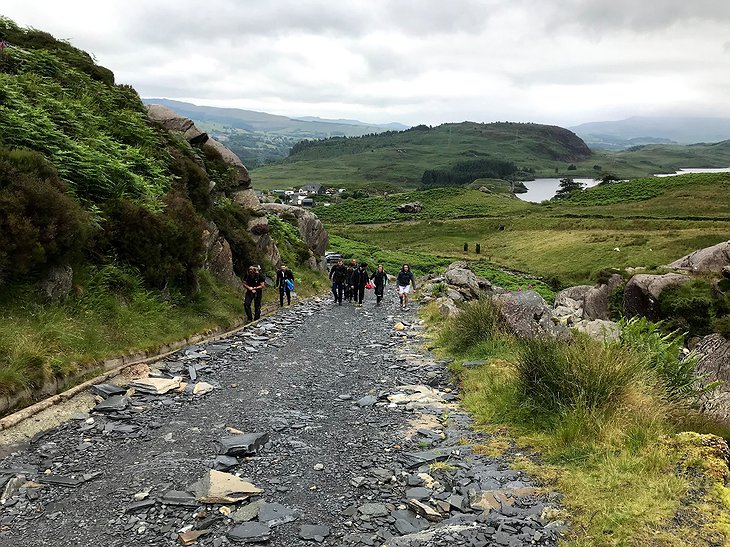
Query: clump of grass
(580, 374)
(478, 322)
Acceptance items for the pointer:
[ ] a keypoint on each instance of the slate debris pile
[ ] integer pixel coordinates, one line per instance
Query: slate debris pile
(325, 425)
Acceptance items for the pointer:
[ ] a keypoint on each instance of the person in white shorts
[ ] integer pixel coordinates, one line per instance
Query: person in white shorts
(404, 282)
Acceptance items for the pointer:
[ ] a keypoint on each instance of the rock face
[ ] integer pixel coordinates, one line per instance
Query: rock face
(58, 283)
(243, 179)
(258, 227)
(172, 121)
(414, 207)
(708, 260)
(311, 229)
(641, 295)
(714, 365)
(527, 315)
(219, 258)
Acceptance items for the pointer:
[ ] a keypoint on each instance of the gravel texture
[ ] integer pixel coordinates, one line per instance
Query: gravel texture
(350, 429)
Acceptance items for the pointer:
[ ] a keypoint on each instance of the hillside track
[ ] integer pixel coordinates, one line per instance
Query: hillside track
(363, 432)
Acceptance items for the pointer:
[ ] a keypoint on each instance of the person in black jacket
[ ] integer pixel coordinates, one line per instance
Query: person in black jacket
(351, 267)
(403, 283)
(338, 275)
(359, 279)
(254, 284)
(282, 276)
(381, 280)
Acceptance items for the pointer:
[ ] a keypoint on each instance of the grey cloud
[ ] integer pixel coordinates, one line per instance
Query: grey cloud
(607, 16)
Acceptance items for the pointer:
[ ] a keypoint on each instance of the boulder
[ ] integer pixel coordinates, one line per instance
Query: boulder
(258, 227)
(219, 257)
(170, 120)
(713, 365)
(57, 284)
(454, 295)
(708, 260)
(596, 301)
(564, 315)
(246, 198)
(243, 179)
(311, 229)
(641, 295)
(605, 331)
(464, 279)
(447, 307)
(414, 207)
(573, 293)
(527, 315)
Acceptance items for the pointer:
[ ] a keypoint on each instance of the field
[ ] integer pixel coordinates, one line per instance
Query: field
(645, 223)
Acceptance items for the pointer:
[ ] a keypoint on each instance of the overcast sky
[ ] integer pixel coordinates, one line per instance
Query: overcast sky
(412, 61)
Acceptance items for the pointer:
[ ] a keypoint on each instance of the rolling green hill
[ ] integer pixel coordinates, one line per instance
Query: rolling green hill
(398, 159)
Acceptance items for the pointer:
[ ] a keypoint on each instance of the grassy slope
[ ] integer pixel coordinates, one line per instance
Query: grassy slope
(56, 101)
(570, 240)
(400, 158)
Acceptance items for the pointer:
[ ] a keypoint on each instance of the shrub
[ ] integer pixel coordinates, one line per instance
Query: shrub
(722, 326)
(581, 374)
(663, 356)
(288, 240)
(191, 180)
(477, 322)
(39, 224)
(166, 247)
(232, 221)
(689, 307)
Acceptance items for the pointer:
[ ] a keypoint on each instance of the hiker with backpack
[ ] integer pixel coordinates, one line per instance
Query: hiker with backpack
(380, 278)
(285, 283)
(403, 283)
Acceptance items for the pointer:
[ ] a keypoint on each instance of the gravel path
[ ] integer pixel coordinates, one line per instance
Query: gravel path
(344, 454)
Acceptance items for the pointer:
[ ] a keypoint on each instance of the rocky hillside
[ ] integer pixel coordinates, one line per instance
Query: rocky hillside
(89, 177)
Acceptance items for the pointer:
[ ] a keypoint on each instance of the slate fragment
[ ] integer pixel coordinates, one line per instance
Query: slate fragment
(274, 514)
(247, 444)
(250, 532)
(107, 390)
(313, 532)
(115, 403)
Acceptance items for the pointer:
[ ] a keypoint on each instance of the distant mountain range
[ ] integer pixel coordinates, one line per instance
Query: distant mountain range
(622, 134)
(259, 138)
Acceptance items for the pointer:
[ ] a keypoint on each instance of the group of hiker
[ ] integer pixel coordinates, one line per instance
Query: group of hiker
(254, 283)
(349, 282)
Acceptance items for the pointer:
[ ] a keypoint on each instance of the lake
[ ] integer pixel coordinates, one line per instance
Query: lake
(541, 189)
(696, 170)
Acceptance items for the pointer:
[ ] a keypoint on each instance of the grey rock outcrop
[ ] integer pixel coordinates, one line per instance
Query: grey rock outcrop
(573, 293)
(57, 284)
(447, 307)
(243, 179)
(713, 365)
(414, 207)
(311, 229)
(219, 257)
(527, 315)
(172, 121)
(596, 301)
(258, 227)
(606, 331)
(641, 295)
(708, 260)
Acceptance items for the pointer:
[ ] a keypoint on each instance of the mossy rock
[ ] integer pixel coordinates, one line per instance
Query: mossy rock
(697, 453)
